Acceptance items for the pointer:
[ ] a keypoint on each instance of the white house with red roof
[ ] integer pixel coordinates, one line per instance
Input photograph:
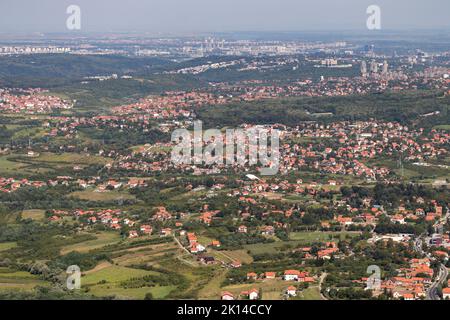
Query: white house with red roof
(291, 291)
(227, 296)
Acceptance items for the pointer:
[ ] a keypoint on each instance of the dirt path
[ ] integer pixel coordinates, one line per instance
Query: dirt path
(180, 257)
(322, 279)
(180, 245)
(101, 266)
(224, 255)
(213, 288)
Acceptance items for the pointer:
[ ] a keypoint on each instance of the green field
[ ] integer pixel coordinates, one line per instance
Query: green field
(19, 280)
(103, 239)
(7, 245)
(234, 255)
(101, 196)
(443, 127)
(296, 239)
(106, 282)
(320, 236)
(135, 293)
(29, 133)
(311, 293)
(114, 274)
(7, 166)
(70, 158)
(149, 254)
(46, 162)
(272, 247)
(412, 172)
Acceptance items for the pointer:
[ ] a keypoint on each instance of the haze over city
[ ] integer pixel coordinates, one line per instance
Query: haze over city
(179, 16)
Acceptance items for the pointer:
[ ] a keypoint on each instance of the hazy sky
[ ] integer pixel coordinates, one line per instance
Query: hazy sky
(175, 16)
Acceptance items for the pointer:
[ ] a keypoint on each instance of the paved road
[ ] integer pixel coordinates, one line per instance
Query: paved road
(432, 293)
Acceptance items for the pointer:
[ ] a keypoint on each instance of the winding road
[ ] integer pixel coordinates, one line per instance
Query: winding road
(432, 292)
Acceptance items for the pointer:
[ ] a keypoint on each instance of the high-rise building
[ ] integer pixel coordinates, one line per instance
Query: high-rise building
(363, 68)
(374, 66)
(385, 69)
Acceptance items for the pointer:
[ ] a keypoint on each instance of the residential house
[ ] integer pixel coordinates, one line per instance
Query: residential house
(446, 293)
(227, 296)
(133, 234)
(291, 275)
(251, 276)
(242, 229)
(291, 291)
(146, 229)
(166, 232)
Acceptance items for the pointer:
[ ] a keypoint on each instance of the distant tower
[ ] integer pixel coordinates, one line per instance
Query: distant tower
(202, 50)
(363, 68)
(374, 67)
(385, 69)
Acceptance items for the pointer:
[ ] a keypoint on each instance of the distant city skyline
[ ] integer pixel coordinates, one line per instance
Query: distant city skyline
(182, 16)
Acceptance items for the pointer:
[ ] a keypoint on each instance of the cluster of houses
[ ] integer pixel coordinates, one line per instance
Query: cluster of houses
(194, 245)
(287, 275)
(253, 90)
(172, 105)
(161, 215)
(403, 215)
(30, 101)
(252, 294)
(115, 219)
(353, 143)
(108, 217)
(356, 142)
(409, 284)
(179, 104)
(114, 184)
(351, 146)
(8, 185)
(11, 184)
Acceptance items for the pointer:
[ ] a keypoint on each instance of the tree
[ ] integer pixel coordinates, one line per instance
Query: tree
(148, 296)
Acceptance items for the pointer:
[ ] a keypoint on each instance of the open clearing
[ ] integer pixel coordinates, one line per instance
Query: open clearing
(311, 293)
(70, 158)
(131, 294)
(7, 245)
(33, 214)
(234, 255)
(91, 195)
(297, 239)
(212, 289)
(309, 237)
(18, 280)
(114, 274)
(7, 166)
(103, 239)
